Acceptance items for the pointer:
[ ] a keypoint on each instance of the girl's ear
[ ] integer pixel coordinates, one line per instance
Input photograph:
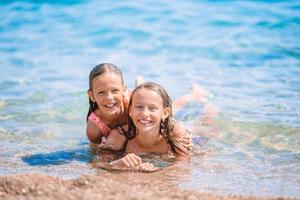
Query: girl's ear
(166, 112)
(91, 95)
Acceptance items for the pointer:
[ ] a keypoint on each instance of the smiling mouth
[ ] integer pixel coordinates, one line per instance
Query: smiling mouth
(145, 122)
(110, 106)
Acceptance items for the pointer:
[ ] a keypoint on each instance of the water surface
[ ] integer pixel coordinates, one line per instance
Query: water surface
(246, 53)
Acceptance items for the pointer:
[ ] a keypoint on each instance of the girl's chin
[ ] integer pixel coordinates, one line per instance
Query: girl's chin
(112, 111)
(147, 128)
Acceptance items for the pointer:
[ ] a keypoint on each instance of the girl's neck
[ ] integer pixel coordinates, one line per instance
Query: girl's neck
(148, 140)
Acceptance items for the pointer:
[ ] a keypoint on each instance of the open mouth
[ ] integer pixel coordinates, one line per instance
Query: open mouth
(145, 123)
(110, 106)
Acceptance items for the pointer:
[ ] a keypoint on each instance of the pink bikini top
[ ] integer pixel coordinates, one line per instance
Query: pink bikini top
(100, 124)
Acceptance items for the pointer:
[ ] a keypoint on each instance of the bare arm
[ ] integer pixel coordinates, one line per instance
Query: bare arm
(130, 162)
(115, 141)
(93, 133)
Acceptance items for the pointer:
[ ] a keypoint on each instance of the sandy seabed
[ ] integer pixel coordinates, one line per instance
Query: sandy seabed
(103, 185)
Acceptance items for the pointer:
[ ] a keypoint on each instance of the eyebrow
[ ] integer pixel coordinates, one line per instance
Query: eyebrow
(148, 104)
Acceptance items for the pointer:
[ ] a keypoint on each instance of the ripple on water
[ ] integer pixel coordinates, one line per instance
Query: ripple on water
(281, 142)
(246, 53)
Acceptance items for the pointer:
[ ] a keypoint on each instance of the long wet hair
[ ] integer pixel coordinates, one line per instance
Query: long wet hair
(166, 125)
(98, 71)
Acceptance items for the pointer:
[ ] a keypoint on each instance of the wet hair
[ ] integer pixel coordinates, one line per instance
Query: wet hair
(98, 71)
(166, 125)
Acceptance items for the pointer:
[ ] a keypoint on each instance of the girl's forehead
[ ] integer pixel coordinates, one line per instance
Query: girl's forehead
(145, 90)
(107, 77)
(146, 94)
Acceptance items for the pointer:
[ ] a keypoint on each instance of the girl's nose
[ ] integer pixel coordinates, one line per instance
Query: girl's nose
(109, 96)
(145, 112)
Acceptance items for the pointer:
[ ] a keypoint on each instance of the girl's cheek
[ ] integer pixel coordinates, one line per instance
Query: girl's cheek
(136, 112)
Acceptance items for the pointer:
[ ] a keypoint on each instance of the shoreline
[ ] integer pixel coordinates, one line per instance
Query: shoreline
(104, 185)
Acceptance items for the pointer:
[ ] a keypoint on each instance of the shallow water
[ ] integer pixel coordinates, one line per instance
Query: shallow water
(246, 53)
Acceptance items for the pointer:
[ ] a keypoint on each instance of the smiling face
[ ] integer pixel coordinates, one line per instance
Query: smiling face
(146, 110)
(107, 91)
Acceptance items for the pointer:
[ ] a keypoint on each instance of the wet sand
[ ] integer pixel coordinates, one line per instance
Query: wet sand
(104, 185)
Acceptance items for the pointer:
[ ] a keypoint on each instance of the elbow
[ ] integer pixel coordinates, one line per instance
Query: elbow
(94, 137)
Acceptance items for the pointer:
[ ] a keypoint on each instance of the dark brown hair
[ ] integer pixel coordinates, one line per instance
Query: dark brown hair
(98, 71)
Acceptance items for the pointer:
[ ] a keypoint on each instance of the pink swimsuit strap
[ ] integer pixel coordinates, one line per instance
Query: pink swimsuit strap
(100, 124)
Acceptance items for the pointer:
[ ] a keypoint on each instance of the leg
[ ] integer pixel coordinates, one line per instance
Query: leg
(196, 94)
(138, 80)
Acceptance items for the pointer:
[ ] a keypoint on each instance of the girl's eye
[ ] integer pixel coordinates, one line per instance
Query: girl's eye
(139, 107)
(100, 92)
(152, 109)
(115, 91)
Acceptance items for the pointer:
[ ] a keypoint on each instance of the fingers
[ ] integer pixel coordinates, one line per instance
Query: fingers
(148, 167)
(102, 144)
(103, 140)
(128, 162)
(131, 160)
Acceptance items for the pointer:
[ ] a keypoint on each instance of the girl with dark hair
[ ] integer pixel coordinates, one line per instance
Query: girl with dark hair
(108, 104)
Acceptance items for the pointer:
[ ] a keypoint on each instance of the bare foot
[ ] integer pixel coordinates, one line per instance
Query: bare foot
(138, 81)
(199, 93)
(196, 94)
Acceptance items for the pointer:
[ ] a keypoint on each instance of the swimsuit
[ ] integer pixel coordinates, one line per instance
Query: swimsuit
(100, 124)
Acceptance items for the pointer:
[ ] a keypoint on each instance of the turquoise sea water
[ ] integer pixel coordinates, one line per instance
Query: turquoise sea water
(246, 53)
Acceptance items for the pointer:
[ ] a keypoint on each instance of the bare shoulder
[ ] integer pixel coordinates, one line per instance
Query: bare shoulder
(91, 127)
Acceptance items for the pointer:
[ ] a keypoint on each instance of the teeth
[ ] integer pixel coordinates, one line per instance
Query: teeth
(110, 105)
(145, 122)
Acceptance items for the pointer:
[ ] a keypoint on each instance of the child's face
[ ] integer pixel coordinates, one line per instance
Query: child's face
(147, 110)
(108, 93)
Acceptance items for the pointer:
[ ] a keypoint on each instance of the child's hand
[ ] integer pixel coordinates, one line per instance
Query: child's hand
(130, 161)
(115, 141)
(104, 145)
(147, 167)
